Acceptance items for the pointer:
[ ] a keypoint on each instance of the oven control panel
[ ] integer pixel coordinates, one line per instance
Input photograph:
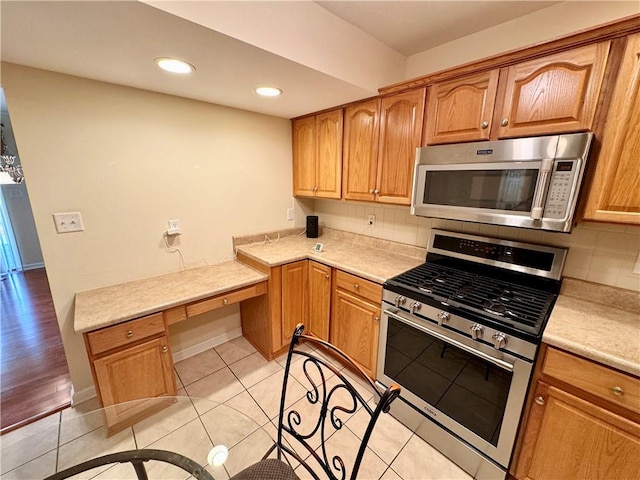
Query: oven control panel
(560, 187)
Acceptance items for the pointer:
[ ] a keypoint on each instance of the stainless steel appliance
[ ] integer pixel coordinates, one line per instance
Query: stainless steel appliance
(524, 182)
(460, 334)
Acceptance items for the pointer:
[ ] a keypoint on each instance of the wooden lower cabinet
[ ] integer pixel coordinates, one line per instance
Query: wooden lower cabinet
(294, 299)
(573, 431)
(319, 300)
(355, 319)
(135, 364)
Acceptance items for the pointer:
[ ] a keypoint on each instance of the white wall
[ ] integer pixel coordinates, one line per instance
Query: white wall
(129, 160)
(544, 25)
(598, 252)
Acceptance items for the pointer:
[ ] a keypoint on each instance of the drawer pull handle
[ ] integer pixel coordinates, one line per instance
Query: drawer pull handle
(129, 333)
(225, 301)
(617, 391)
(539, 400)
(165, 349)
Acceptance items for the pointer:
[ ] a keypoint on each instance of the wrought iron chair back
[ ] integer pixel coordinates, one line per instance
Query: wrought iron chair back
(333, 396)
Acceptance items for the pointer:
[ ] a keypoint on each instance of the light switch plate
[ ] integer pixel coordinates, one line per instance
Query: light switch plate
(68, 222)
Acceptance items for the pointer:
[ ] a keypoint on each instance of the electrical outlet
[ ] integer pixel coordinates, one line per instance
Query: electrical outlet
(68, 222)
(372, 220)
(174, 227)
(289, 213)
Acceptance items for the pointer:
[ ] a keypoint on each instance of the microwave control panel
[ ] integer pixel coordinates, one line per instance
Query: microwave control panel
(560, 187)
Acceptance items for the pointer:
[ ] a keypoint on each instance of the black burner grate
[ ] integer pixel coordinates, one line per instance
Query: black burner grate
(517, 305)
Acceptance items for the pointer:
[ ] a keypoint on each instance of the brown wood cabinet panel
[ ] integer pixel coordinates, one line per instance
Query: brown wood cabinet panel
(124, 334)
(605, 383)
(304, 156)
(359, 286)
(228, 298)
(355, 326)
(175, 314)
(319, 300)
(359, 161)
(614, 195)
(461, 110)
(400, 134)
(329, 154)
(570, 438)
(553, 94)
(294, 298)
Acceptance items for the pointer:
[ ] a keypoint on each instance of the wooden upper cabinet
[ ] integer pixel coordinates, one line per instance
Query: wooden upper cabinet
(400, 134)
(317, 155)
(329, 154)
(461, 110)
(360, 158)
(304, 156)
(553, 94)
(614, 195)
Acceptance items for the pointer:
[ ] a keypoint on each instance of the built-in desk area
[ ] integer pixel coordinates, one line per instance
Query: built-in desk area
(125, 329)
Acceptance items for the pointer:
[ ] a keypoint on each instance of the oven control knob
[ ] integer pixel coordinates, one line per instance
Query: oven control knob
(400, 300)
(476, 331)
(499, 340)
(443, 317)
(414, 306)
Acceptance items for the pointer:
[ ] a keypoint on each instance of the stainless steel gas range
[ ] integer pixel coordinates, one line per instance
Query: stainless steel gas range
(460, 334)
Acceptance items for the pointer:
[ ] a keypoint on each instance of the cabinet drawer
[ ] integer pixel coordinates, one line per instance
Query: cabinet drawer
(598, 380)
(125, 333)
(226, 299)
(359, 286)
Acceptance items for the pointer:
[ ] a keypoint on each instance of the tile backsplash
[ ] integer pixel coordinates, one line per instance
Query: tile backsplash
(598, 252)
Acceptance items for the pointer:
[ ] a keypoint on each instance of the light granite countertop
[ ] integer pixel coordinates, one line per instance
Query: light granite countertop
(117, 303)
(588, 320)
(373, 263)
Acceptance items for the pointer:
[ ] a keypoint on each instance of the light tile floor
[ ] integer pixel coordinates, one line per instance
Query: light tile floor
(233, 374)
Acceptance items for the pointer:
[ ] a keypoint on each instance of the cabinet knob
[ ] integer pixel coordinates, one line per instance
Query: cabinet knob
(376, 191)
(371, 190)
(617, 391)
(326, 275)
(165, 349)
(539, 400)
(484, 124)
(225, 301)
(315, 189)
(504, 122)
(129, 333)
(376, 318)
(356, 286)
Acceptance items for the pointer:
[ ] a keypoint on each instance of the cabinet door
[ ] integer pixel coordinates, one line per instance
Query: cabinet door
(141, 372)
(360, 157)
(355, 325)
(553, 94)
(329, 154)
(571, 438)
(304, 156)
(461, 110)
(294, 298)
(319, 299)
(614, 195)
(400, 134)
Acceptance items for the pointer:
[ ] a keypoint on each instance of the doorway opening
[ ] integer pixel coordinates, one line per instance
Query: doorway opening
(33, 367)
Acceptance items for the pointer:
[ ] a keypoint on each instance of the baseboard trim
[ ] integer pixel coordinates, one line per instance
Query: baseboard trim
(32, 266)
(206, 345)
(82, 395)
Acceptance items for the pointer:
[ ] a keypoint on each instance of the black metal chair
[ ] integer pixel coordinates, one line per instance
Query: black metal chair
(137, 458)
(331, 398)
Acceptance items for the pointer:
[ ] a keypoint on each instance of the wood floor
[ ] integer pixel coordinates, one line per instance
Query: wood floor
(34, 376)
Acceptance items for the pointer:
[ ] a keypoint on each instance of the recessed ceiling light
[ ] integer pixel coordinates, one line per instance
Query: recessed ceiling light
(174, 65)
(268, 91)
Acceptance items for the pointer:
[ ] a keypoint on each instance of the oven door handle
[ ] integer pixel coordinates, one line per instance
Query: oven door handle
(496, 361)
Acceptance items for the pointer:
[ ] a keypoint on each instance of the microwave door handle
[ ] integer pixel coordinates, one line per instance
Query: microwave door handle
(540, 194)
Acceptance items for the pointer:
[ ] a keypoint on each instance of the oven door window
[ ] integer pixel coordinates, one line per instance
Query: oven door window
(469, 390)
(496, 189)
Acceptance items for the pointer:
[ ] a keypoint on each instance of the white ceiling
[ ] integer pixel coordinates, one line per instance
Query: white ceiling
(320, 54)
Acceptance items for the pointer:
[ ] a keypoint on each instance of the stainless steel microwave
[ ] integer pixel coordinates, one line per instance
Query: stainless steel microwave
(524, 182)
